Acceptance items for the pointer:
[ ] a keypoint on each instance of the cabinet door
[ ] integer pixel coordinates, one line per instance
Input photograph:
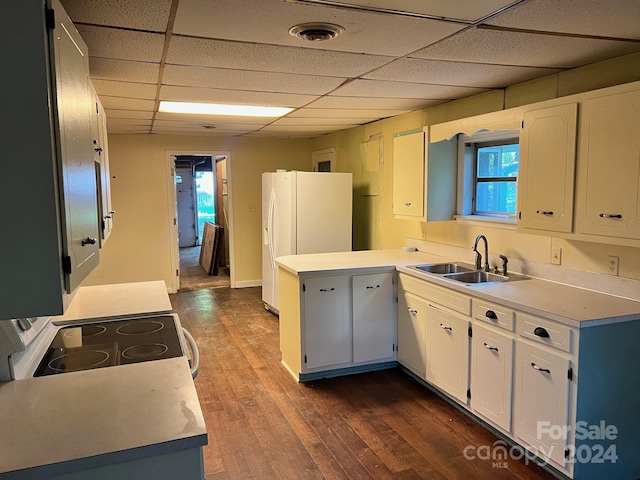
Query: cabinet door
(374, 319)
(448, 352)
(490, 375)
(609, 166)
(103, 176)
(547, 164)
(408, 174)
(327, 323)
(79, 198)
(541, 400)
(412, 332)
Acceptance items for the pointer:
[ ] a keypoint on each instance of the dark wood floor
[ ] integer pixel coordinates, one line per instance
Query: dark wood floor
(262, 424)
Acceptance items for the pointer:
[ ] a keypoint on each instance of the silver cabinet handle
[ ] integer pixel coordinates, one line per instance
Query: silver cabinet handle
(540, 369)
(412, 311)
(327, 289)
(544, 212)
(444, 327)
(489, 347)
(373, 286)
(610, 215)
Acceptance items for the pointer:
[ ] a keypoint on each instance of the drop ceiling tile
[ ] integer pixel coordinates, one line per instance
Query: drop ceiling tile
(219, 123)
(269, 58)
(129, 131)
(189, 131)
(285, 121)
(372, 103)
(112, 114)
(321, 129)
(215, 95)
(440, 72)
(150, 15)
(357, 114)
(249, 80)
(123, 70)
(524, 49)
(122, 44)
(269, 21)
(133, 122)
(610, 18)
(119, 103)
(379, 88)
(211, 119)
(125, 89)
(465, 11)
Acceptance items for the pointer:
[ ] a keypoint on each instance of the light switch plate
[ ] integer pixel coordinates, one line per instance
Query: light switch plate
(556, 255)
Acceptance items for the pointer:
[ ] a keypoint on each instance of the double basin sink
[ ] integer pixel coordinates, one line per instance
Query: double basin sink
(467, 274)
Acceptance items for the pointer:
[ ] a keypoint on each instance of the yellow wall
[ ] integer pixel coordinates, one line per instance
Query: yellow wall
(139, 246)
(352, 156)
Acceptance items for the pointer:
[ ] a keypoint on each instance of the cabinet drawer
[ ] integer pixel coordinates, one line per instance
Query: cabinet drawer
(440, 295)
(544, 331)
(493, 314)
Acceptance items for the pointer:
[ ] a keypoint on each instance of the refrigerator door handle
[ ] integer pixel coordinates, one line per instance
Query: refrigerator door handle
(272, 206)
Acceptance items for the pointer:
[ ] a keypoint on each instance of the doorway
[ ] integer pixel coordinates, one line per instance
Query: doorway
(200, 193)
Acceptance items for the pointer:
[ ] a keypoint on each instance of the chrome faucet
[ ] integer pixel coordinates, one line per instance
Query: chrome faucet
(479, 266)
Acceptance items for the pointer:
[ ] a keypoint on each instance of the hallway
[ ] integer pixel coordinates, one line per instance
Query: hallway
(193, 276)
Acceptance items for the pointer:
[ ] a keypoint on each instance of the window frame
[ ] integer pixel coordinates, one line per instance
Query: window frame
(503, 179)
(467, 175)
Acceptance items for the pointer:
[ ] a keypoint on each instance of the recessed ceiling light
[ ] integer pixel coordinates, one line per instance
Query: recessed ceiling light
(316, 32)
(222, 109)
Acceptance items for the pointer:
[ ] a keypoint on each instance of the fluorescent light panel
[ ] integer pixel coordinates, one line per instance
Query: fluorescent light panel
(222, 109)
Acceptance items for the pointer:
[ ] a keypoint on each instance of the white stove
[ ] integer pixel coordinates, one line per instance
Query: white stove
(39, 346)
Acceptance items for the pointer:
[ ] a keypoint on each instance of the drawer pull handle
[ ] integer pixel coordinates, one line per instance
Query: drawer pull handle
(491, 314)
(413, 311)
(610, 215)
(544, 212)
(541, 332)
(489, 347)
(545, 370)
(407, 204)
(373, 286)
(327, 289)
(444, 327)
(88, 241)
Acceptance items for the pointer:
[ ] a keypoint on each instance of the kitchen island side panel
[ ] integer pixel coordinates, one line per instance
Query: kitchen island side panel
(290, 322)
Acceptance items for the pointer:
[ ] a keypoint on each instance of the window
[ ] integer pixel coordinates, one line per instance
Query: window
(488, 165)
(496, 178)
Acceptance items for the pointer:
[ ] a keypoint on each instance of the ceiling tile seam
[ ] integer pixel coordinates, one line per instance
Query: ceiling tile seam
(301, 74)
(115, 27)
(489, 65)
(165, 52)
(556, 34)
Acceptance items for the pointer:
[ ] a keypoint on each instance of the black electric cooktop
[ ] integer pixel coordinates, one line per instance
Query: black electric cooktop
(105, 344)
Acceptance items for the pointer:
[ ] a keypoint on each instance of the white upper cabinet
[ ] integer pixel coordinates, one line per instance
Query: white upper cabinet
(609, 167)
(547, 165)
(103, 172)
(408, 174)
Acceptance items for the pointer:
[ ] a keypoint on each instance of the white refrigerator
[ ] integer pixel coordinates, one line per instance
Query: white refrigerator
(302, 212)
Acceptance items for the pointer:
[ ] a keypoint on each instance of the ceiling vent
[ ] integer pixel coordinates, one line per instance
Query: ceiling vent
(316, 32)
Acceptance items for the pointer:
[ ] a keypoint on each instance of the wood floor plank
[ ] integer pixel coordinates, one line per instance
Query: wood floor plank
(262, 424)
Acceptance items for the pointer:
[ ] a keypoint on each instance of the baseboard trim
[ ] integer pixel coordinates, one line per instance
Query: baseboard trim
(246, 283)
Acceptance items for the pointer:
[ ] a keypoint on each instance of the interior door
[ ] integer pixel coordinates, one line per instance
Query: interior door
(185, 196)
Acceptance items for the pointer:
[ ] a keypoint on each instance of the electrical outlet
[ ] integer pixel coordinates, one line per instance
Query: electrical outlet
(614, 265)
(556, 256)
(251, 207)
(424, 231)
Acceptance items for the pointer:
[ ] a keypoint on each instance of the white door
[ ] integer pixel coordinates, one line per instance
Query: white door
(448, 352)
(327, 321)
(374, 320)
(185, 196)
(412, 332)
(490, 375)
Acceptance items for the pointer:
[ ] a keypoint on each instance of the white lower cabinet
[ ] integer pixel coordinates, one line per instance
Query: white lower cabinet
(541, 405)
(412, 332)
(448, 352)
(374, 334)
(491, 375)
(327, 321)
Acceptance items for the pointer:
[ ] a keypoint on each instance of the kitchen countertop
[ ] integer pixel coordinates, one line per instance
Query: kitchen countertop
(60, 423)
(117, 300)
(570, 305)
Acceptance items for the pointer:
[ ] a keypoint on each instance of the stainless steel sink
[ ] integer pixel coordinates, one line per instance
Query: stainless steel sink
(479, 276)
(443, 268)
